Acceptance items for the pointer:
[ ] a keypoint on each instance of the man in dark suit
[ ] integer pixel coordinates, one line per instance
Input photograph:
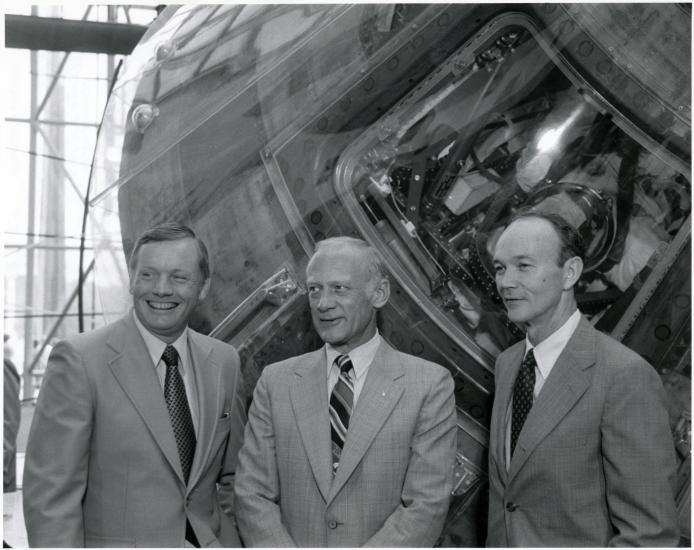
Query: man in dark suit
(137, 427)
(352, 444)
(580, 448)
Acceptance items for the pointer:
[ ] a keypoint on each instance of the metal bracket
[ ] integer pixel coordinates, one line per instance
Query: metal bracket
(466, 475)
(280, 291)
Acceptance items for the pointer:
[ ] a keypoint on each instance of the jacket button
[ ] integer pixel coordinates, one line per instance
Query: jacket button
(511, 507)
(332, 524)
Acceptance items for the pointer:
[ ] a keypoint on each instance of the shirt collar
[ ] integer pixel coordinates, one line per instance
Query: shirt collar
(548, 351)
(156, 347)
(361, 356)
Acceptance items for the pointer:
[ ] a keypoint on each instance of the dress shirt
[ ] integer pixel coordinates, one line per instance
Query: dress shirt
(156, 347)
(546, 354)
(361, 357)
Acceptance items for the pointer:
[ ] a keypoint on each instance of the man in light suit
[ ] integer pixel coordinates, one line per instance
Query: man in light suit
(138, 424)
(580, 448)
(352, 444)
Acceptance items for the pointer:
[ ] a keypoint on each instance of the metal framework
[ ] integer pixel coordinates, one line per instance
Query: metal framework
(48, 33)
(44, 33)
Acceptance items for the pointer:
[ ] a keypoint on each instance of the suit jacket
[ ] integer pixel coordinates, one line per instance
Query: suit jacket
(594, 464)
(102, 467)
(11, 415)
(395, 476)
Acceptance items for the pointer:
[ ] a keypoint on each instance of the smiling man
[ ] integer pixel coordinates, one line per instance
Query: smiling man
(580, 451)
(352, 444)
(138, 424)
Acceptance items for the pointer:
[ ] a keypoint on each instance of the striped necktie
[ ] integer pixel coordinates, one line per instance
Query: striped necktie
(522, 396)
(179, 411)
(341, 402)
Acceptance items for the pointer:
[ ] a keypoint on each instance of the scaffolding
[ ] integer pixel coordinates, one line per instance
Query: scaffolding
(54, 180)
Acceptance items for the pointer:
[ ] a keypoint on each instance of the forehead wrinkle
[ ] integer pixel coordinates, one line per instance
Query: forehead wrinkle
(522, 257)
(329, 282)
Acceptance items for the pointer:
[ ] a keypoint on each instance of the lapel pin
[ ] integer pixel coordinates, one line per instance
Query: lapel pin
(383, 394)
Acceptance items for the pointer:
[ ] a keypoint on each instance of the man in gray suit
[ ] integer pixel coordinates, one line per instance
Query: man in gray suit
(352, 444)
(580, 448)
(138, 424)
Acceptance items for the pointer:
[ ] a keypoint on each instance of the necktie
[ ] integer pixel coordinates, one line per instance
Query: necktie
(341, 402)
(522, 396)
(179, 411)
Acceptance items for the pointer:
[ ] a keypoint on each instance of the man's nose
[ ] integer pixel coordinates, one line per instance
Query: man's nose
(162, 286)
(325, 301)
(506, 279)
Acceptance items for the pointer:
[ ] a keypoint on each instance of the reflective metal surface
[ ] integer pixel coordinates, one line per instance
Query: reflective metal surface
(420, 128)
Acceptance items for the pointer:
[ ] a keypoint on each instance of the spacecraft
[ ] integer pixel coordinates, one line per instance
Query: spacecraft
(420, 128)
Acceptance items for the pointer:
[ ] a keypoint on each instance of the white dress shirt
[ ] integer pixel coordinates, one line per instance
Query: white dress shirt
(362, 356)
(546, 354)
(185, 365)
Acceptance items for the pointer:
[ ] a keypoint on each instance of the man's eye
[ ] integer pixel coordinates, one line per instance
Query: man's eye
(181, 279)
(524, 266)
(499, 268)
(145, 275)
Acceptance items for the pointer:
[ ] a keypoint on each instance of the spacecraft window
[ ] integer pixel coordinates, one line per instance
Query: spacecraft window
(506, 124)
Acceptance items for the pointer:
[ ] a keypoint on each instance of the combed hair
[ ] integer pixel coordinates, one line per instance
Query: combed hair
(571, 242)
(377, 268)
(171, 231)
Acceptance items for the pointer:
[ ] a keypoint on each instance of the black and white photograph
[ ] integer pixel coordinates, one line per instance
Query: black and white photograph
(337, 275)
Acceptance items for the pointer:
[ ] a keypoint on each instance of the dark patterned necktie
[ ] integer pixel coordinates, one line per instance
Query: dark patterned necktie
(179, 411)
(341, 402)
(522, 396)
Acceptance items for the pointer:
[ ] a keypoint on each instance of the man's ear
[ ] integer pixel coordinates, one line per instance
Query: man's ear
(381, 293)
(205, 289)
(573, 267)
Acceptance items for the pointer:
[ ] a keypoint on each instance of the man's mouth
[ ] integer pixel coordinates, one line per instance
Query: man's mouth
(162, 306)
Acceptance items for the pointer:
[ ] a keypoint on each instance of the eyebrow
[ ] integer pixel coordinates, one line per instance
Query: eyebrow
(172, 271)
(344, 282)
(516, 257)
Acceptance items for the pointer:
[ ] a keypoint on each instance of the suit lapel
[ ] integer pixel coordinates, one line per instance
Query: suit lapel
(567, 382)
(208, 374)
(507, 370)
(132, 367)
(378, 397)
(309, 395)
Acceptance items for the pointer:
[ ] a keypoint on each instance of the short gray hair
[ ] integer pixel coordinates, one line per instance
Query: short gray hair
(377, 267)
